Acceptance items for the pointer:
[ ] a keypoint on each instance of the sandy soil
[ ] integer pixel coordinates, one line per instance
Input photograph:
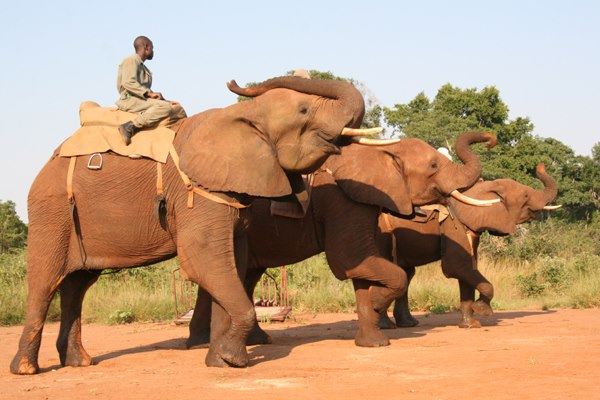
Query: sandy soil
(516, 355)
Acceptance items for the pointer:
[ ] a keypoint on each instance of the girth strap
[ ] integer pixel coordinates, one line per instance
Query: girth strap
(73, 211)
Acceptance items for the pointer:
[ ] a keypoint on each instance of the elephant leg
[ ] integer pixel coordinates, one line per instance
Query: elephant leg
(467, 298)
(201, 319)
(72, 290)
(402, 315)
(257, 335)
(41, 288)
(384, 320)
(369, 334)
(46, 259)
(207, 254)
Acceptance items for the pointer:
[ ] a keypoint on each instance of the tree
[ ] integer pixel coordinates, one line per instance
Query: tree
(13, 232)
(454, 111)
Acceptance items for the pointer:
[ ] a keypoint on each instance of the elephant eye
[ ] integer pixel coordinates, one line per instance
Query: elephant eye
(434, 165)
(303, 109)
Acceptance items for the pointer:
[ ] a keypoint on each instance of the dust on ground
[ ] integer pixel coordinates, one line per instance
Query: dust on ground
(516, 355)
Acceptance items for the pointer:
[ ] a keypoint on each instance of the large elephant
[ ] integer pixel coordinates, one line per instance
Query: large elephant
(455, 240)
(347, 196)
(247, 150)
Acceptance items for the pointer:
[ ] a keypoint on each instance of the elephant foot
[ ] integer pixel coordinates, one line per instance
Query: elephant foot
(198, 341)
(385, 322)
(371, 338)
(407, 321)
(233, 354)
(258, 336)
(214, 360)
(23, 366)
(75, 357)
(482, 308)
(469, 323)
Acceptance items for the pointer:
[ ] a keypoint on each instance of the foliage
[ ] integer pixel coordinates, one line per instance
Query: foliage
(13, 232)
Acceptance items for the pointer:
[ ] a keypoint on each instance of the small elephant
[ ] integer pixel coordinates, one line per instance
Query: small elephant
(455, 241)
(250, 149)
(347, 196)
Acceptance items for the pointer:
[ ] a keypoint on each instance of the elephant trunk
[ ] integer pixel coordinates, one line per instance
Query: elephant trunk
(351, 100)
(461, 177)
(546, 195)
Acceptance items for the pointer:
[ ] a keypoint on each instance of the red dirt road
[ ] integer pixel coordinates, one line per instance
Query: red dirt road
(516, 355)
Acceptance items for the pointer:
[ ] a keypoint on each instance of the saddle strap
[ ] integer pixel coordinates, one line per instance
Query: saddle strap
(70, 173)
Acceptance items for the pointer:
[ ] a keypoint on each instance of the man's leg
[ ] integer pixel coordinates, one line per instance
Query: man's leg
(149, 113)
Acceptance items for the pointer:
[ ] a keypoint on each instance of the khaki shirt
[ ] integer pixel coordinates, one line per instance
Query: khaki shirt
(134, 78)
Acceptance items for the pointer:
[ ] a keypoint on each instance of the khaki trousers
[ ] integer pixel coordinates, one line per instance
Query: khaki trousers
(150, 111)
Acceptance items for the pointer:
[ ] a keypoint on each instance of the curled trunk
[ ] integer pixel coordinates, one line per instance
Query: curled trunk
(460, 177)
(349, 97)
(546, 195)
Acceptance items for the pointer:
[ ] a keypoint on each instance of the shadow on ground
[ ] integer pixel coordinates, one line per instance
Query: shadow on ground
(285, 340)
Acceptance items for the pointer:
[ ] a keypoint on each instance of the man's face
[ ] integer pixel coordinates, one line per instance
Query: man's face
(149, 50)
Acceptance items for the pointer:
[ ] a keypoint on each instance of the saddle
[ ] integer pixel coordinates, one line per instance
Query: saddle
(99, 133)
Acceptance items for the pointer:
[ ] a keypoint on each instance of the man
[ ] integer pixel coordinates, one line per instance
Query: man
(133, 84)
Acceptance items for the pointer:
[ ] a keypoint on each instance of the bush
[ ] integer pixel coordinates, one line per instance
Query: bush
(121, 317)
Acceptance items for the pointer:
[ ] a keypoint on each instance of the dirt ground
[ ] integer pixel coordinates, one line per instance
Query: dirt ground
(516, 355)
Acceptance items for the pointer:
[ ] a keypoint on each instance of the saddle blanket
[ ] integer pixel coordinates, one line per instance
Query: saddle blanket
(99, 133)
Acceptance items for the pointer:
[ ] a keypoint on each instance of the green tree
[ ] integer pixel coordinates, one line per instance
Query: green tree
(454, 111)
(13, 232)
(596, 153)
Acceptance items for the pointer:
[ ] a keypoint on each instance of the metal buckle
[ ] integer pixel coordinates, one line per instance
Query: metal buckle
(95, 166)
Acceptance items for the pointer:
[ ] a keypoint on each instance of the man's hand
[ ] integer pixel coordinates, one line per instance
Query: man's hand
(155, 95)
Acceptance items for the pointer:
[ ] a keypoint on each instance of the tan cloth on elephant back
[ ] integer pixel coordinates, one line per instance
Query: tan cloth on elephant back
(134, 80)
(99, 133)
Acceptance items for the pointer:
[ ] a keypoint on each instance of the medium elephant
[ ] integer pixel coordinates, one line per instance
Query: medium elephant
(347, 195)
(250, 149)
(455, 241)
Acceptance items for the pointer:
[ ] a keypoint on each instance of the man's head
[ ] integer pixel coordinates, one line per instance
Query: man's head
(144, 48)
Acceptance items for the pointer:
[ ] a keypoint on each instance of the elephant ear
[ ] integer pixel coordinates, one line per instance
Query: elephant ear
(227, 154)
(372, 176)
(497, 219)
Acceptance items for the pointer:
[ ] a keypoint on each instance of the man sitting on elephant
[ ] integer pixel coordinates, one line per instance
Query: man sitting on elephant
(134, 81)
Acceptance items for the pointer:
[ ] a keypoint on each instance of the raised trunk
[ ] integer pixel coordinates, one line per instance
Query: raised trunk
(546, 195)
(460, 177)
(349, 97)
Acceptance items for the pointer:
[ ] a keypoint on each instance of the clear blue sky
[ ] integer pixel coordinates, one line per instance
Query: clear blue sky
(544, 57)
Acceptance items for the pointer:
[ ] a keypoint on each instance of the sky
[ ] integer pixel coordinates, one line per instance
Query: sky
(544, 57)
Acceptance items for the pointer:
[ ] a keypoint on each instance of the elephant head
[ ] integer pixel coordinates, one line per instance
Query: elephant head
(407, 173)
(519, 203)
(289, 126)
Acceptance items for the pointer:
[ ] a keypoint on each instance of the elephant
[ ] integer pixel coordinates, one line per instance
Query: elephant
(455, 241)
(347, 195)
(248, 150)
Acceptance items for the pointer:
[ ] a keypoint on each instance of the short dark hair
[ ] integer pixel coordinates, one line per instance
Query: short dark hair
(140, 42)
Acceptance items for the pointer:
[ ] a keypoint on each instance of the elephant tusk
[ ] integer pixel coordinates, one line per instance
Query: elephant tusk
(361, 132)
(474, 202)
(374, 142)
(552, 208)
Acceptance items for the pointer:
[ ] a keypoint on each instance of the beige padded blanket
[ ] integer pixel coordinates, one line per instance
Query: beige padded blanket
(99, 134)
